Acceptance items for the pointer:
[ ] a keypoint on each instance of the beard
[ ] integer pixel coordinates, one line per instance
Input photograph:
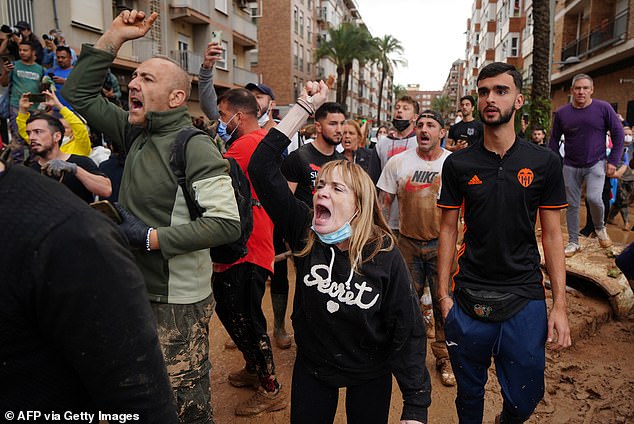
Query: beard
(43, 151)
(503, 119)
(330, 140)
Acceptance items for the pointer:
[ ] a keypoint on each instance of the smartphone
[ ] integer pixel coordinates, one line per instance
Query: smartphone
(37, 98)
(108, 209)
(50, 74)
(216, 37)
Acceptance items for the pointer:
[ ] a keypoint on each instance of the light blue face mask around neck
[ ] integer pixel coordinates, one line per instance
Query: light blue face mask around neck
(337, 236)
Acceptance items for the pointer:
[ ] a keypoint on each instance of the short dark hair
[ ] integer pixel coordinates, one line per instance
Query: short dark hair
(538, 128)
(329, 107)
(64, 49)
(496, 68)
(54, 124)
(470, 98)
(27, 43)
(242, 100)
(410, 100)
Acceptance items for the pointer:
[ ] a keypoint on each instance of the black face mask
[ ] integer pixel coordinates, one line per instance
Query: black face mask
(400, 124)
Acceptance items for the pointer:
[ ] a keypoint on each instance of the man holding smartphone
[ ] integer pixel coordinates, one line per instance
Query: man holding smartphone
(22, 76)
(60, 72)
(467, 131)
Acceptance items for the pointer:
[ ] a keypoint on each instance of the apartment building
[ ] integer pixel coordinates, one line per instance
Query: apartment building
(181, 32)
(453, 89)
(595, 38)
(287, 39)
(497, 32)
(425, 98)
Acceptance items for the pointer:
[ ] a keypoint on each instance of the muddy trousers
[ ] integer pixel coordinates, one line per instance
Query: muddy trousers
(421, 258)
(518, 349)
(315, 402)
(238, 292)
(183, 332)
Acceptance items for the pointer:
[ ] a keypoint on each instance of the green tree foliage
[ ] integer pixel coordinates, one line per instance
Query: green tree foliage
(389, 51)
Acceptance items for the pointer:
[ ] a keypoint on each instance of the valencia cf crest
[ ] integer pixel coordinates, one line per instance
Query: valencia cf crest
(525, 177)
(483, 311)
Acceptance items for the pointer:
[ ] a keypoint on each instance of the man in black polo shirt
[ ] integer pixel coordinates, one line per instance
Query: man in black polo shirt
(503, 182)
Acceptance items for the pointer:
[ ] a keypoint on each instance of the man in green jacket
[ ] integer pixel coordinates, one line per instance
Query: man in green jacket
(171, 250)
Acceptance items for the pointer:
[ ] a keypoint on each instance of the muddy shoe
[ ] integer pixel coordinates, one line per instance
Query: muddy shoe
(282, 339)
(244, 378)
(263, 401)
(571, 249)
(604, 238)
(446, 373)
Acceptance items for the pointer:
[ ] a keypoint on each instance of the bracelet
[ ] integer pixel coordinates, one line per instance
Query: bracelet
(306, 106)
(443, 298)
(147, 239)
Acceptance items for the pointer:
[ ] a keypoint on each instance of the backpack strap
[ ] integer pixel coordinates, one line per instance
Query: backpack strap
(178, 164)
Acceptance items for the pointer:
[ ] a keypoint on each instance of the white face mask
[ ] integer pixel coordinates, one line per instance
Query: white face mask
(65, 140)
(628, 140)
(262, 120)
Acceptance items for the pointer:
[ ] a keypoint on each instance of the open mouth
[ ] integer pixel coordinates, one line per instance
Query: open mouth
(135, 103)
(322, 214)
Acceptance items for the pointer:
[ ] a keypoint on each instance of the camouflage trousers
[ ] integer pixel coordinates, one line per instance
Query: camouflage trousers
(183, 332)
(421, 258)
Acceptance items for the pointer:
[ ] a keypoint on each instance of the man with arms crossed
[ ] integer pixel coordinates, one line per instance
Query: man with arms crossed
(500, 304)
(170, 248)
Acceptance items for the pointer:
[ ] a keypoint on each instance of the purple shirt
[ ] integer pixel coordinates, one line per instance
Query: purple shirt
(585, 130)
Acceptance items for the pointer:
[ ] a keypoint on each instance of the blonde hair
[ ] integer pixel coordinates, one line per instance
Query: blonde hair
(369, 227)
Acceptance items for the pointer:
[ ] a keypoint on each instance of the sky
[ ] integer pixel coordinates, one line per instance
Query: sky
(431, 32)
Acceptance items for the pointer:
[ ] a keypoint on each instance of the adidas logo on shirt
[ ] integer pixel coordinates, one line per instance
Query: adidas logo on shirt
(474, 180)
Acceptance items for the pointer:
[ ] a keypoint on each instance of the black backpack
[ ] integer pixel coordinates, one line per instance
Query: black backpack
(226, 253)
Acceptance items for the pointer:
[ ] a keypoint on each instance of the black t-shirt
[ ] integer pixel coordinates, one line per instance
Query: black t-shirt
(113, 169)
(472, 130)
(301, 166)
(71, 181)
(501, 197)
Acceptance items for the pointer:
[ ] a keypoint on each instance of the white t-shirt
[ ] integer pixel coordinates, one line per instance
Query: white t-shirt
(386, 148)
(416, 183)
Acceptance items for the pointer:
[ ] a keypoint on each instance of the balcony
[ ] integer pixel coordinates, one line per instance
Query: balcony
(245, 32)
(187, 60)
(137, 50)
(608, 33)
(242, 77)
(195, 12)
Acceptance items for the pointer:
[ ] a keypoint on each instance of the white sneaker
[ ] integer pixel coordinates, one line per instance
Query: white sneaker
(604, 238)
(571, 249)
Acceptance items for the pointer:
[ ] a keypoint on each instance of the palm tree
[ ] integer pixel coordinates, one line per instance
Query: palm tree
(387, 47)
(344, 45)
(540, 104)
(441, 104)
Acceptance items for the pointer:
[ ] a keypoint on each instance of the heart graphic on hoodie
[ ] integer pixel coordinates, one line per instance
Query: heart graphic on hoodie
(332, 306)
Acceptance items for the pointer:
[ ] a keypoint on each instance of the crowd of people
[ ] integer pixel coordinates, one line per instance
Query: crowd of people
(370, 228)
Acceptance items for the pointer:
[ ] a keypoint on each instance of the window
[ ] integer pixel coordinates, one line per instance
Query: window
(516, 7)
(183, 50)
(309, 28)
(301, 58)
(221, 6)
(88, 14)
(301, 24)
(222, 63)
(514, 46)
(295, 54)
(295, 19)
